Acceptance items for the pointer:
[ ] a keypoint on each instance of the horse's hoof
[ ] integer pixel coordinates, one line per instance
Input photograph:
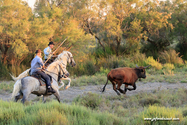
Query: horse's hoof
(67, 87)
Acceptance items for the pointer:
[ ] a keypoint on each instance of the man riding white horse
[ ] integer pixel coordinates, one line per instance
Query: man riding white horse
(48, 52)
(36, 68)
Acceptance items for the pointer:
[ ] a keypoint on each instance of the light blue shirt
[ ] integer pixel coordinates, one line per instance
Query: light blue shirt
(47, 52)
(36, 64)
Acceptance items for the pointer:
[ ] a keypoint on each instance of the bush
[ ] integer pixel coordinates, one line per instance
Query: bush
(167, 68)
(139, 59)
(171, 57)
(54, 113)
(159, 112)
(83, 68)
(90, 100)
(45, 117)
(104, 71)
(149, 101)
(153, 63)
(4, 73)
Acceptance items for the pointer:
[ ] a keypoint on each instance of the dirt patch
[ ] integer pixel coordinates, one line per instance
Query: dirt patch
(72, 92)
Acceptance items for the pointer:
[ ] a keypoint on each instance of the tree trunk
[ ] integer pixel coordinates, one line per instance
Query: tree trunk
(4, 57)
(90, 31)
(118, 40)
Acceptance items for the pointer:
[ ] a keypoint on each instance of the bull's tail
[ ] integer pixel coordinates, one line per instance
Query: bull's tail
(23, 74)
(105, 85)
(17, 87)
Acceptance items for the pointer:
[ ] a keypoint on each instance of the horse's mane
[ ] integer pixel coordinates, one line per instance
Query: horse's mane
(52, 65)
(59, 57)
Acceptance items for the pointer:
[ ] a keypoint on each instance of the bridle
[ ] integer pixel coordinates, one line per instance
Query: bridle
(61, 69)
(70, 57)
(59, 75)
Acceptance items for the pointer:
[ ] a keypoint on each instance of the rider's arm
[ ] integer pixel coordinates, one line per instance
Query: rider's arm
(40, 62)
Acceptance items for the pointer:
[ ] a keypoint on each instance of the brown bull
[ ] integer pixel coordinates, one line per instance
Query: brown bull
(127, 76)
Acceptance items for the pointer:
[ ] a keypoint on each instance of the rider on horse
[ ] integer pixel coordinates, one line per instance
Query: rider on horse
(48, 52)
(36, 65)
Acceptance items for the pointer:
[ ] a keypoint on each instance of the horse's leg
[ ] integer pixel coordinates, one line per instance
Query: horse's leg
(57, 95)
(68, 83)
(61, 85)
(26, 94)
(44, 99)
(20, 96)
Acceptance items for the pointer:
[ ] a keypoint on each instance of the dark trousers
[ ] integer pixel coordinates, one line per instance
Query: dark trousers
(45, 77)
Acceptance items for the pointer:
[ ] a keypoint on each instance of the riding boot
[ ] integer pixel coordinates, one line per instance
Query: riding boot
(50, 89)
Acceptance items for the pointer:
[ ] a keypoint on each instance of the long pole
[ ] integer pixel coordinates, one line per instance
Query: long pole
(55, 50)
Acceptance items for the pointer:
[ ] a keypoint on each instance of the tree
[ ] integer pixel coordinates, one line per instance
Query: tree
(14, 25)
(156, 28)
(179, 20)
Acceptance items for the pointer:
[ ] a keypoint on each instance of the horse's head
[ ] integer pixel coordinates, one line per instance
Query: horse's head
(62, 70)
(66, 57)
(71, 60)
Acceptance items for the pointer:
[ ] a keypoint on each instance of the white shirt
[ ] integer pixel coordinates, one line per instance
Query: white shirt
(47, 52)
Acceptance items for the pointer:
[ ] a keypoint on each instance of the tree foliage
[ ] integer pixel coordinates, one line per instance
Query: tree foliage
(116, 26)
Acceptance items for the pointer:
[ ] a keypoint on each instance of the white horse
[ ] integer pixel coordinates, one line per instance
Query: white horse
(26, 85)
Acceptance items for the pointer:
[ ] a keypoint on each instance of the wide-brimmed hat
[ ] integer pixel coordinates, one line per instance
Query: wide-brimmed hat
(38, 51)
(51, 43)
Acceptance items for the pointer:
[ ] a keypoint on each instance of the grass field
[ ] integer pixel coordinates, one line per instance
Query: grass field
(96, 109)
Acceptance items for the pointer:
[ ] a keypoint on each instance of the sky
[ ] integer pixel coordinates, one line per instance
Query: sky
(31, 3)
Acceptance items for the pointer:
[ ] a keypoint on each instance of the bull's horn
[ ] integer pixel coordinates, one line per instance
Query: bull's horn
(147, 66)
(137, 66)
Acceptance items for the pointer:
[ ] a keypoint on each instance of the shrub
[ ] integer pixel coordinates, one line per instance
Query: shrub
(4, 73)
(90, 100)
(139, 59)
(184, 113)
(160, 112)
(167, 68)
(86, 68)
(172, 57)
(45, 117)
(149, 101)
(153, 63)
(10, 111)
(104, 71)
(6, 87)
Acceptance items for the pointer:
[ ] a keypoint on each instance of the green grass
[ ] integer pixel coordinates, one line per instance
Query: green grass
(6, 86)
(96, 109)
(134, 109)
(54, 113)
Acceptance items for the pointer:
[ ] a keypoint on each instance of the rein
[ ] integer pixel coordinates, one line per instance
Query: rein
(56, 73)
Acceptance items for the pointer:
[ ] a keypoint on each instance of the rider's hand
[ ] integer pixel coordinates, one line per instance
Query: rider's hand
(43, 67)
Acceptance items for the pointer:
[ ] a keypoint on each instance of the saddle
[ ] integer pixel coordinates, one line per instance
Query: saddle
(40, 79)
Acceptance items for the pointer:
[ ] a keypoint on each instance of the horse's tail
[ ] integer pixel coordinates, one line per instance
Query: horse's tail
(23, 74)
(105, 84)
(17, 87)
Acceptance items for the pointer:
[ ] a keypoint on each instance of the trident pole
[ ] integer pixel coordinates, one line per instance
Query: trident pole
(55, 51)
